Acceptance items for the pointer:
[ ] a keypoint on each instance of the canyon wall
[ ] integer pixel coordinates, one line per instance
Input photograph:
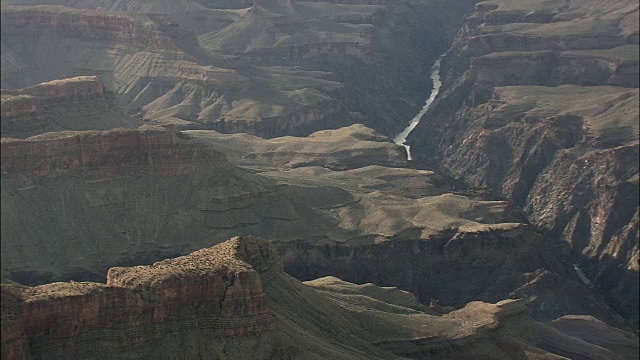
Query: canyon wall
(217, 291)
(94, 199)
(559, 139)
(79, 103)
(136, 178)
(456, 267)
(233, 300)
(270, 69)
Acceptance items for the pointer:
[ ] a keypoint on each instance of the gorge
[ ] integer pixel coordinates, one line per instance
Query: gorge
(401, 138)
(148, 147)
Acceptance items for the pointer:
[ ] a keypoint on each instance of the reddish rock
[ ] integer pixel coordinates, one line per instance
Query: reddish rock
(220, 286)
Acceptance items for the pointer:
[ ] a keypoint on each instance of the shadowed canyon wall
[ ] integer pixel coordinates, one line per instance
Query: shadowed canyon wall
(559, 139)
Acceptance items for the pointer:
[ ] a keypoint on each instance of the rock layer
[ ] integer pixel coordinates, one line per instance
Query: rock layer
(270, 69)
(216, 289)
(233, 300)
(560, 139)
(79, 103)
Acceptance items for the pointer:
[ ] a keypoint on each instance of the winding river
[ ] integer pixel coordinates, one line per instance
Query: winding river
(401, 139)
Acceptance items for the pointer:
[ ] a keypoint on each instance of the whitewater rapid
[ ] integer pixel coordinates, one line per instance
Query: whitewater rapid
(401, 138)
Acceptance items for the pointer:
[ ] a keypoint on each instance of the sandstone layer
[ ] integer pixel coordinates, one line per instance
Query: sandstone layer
(434, 223)
(560, 139)
(102, 198)
(338, 202)
(217, 291)
(233, 300)
(158, 71)
(79, 103)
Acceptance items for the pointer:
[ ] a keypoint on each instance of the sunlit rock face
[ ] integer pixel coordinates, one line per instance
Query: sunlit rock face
(234, 299)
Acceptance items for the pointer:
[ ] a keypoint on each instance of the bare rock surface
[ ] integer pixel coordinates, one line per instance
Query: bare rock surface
(79, 103)
(159, 72)
(338, 202)
(430, 221)
(130, 197)
(234, 300)
(560, 139)
(268, 68)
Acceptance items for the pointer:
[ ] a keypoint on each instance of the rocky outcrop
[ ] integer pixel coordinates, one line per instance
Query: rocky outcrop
(558, 139)
(146, 173)
(144, 194)
(75, 90)
(123, 28)
(189, 66)
(217, 289)
(147, 194)
(615, 66)
(129, 33)
(300, 120)
(78, 103)
(393, 213)
(498, 264)
(103, 154)
(233, 299)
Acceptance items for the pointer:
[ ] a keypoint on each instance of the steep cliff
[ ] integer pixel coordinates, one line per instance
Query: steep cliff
(135, 192)
(99, 199)
(79, 103)
(233, 301)
(559, 139)
(216, 291)
(277, 67)
(132, 193)
(455, 247)
(158, 71)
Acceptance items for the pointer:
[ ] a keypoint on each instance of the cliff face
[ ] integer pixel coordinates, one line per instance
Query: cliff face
(217, 290)
(143, 194)
(154, 186)
(189, 66)
(79, 103)
(454, 268)
(233, 300)
(102, 198)
(75, 90)
(150, 37)
(560, 139)
(112, 153)
(100, 27)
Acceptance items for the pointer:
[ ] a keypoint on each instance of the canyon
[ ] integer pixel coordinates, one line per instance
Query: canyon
(196, 67)
(148, 147)
(235, 298)
(559, 140)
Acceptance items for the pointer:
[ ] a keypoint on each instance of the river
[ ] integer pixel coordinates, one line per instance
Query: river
(401, 139)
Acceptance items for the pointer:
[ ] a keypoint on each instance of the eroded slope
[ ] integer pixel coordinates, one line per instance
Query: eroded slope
(233, 300)
(559, 139)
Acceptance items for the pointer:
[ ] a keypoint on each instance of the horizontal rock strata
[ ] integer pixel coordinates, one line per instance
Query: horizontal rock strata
(79, 103)
(233, 299)
(559, 139)
(217, 290)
